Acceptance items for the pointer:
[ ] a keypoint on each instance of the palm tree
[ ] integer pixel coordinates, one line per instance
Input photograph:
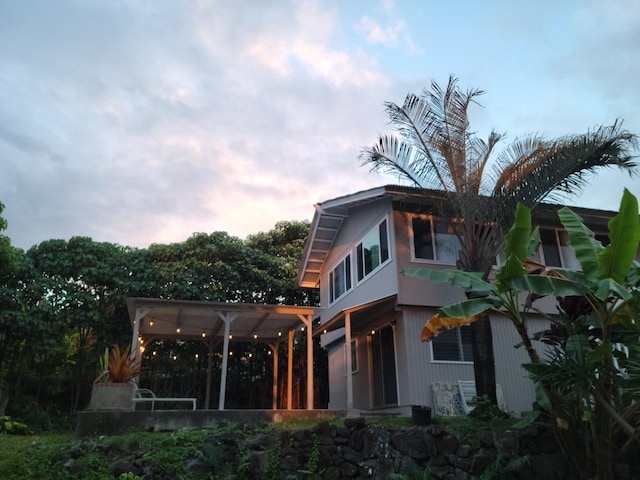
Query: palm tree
(433, 148)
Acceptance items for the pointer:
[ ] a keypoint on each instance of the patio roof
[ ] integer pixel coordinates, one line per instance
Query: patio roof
(219, 322)
(264, 323)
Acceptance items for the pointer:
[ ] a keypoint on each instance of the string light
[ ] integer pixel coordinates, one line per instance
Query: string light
(155, 353)
(178, 330)
(255, 336)
(151, 323)
(175, 357)
(204, 334)
(279, 334)
(373, 332)
(302, 329)
(230, 337)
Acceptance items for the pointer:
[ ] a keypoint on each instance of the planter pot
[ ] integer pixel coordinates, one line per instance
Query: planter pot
(111, 396)
(421, 415)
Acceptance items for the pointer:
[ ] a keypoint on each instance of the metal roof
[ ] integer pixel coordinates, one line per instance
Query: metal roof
(254, 322)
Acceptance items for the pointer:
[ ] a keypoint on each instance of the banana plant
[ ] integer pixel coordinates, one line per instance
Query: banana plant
(594, 376)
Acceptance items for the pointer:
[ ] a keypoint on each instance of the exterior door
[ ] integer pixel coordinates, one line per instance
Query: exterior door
(383, 356)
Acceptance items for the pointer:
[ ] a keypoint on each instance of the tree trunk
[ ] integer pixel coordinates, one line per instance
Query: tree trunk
(484, 368)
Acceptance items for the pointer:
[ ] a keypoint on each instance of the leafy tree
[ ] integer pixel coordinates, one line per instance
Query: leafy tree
(434, 148)
(591, 377)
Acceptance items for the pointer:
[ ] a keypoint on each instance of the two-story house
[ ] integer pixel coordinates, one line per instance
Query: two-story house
(372, 314)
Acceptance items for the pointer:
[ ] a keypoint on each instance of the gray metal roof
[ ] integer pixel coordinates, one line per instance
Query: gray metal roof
(254, 322)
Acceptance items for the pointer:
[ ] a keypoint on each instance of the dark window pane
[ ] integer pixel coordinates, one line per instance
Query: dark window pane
(422, 238)
(384, 243)
(550, 247)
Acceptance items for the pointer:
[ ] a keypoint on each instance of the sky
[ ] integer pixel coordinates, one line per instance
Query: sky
(138, 122)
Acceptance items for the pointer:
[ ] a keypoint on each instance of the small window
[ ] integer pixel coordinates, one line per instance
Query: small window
(340, 279)
(452, 346)
(373, 251)
(434, 240)
(555, 249)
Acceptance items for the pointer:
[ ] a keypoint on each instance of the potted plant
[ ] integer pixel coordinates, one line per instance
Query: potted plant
(113, 387)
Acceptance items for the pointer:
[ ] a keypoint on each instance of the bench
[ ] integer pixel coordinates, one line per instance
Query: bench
(142, 395)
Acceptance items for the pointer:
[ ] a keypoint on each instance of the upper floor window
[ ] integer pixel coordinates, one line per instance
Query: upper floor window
(373, 251)
(340, 279)
(434, 240)
(555, 250)
(452, 345)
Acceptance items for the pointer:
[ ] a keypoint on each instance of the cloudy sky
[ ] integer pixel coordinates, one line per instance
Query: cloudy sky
(139, 122)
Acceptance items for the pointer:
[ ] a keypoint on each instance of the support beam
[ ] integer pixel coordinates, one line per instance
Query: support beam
(308, 323)
(347, 340)
(227, 318)
(290, 372)
(274, 349)
(207, 397)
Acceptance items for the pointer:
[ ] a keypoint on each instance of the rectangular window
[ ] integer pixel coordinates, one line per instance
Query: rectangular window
(555, 249)
(373, 251)
(434, 240)
(340, 279)
(452, 346)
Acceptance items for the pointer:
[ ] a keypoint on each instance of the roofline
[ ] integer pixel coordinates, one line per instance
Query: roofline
(338, 208)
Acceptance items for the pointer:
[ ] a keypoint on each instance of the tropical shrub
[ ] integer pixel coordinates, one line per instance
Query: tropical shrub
(590, 379)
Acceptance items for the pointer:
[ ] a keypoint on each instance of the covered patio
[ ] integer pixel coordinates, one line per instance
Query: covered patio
(216, 323)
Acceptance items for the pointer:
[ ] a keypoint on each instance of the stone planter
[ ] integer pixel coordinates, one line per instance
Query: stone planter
(111, 396)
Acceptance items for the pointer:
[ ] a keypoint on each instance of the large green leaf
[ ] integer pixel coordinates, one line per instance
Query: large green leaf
(516, 242)
(607, 286)
(582, 241)
(468, 281)
(470, 308)
(624, 232)
(543, 285)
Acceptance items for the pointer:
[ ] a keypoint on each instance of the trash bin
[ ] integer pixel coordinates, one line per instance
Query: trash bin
(421, 415)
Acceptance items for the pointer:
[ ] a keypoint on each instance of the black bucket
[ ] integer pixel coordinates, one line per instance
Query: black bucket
(421, 415)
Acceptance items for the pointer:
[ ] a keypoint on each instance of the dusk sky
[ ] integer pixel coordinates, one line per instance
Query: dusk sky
(139, 122)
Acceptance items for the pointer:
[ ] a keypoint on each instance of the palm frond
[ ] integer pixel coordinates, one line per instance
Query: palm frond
(547, 169)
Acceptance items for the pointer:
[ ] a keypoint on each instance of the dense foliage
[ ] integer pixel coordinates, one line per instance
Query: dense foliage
(589, 378)
(63, 302)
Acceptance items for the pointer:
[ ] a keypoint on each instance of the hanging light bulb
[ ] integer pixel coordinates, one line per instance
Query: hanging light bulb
(230, 337)
(178, 330)
(279, 334)
(204, 334)
(255, 336)
(151, 323)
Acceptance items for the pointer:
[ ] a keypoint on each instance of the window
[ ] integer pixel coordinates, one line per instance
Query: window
(340, 279)
(373, 251)
(354, 357)
(434, 240)
(452, 346)
(555, 250)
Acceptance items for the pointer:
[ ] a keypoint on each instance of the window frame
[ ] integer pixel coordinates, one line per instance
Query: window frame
(460, 344)
(384, 250)
(347, 270)
(560, 249)
(434, 244)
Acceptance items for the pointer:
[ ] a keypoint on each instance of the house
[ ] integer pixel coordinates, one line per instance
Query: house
(372, 315)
